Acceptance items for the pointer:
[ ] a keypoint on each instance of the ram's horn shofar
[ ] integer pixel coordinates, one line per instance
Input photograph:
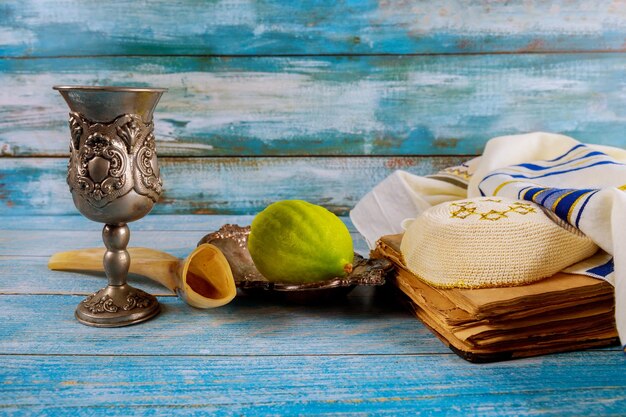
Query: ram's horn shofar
(203, 280)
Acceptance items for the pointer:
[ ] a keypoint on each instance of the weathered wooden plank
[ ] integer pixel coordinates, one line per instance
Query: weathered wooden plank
(30, 275)
(364, 323)
(29, 237)
(164, 222)
(47, 242)
(374, 105)
(25, 245)
(558, 385)
(71, 27)
(217, 185)
(24, 256)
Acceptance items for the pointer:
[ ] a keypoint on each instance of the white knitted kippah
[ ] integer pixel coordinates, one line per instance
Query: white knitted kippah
(490, 242)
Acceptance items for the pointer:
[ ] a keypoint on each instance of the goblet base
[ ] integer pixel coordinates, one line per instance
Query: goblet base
(117, 306)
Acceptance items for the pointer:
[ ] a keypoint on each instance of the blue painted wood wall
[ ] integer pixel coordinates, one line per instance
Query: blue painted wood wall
(305, 99)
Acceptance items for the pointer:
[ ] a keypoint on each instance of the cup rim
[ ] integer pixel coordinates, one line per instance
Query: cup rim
(110, 88)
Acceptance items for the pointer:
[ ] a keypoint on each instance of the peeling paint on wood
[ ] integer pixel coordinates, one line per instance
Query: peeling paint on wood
(179, 243)
(152, 222)
(559, 385)
(216, 185)
(275, 27)
(387, 105)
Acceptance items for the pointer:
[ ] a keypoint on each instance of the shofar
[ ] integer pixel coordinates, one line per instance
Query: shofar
(203, 280)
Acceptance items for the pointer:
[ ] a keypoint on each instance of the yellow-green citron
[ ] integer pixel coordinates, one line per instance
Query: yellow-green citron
(297, 242)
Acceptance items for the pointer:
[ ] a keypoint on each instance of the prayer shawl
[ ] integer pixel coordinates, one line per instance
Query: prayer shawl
(582, 184)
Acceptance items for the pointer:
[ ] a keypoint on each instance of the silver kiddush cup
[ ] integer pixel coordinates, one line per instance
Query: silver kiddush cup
(114, 179)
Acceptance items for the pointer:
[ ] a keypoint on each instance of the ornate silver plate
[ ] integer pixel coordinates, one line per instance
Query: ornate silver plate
(232, 240)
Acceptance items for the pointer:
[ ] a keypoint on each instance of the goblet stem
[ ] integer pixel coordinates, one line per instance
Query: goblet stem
(116, 258)
(118, 304)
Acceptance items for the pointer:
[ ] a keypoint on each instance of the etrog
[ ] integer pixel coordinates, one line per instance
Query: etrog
(295, 241)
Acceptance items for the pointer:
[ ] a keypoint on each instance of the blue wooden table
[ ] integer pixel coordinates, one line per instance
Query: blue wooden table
(364, 355)
(270, 100)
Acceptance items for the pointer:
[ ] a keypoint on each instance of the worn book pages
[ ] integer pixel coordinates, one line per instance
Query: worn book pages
(561, 313)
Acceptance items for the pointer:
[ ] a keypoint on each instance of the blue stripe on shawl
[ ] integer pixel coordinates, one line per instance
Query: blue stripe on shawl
(551, 192)
(535, 167)
(603, 270)
(502, 172)
(550, 195)
(530, 194)
(582, 207)
(563, 207)
(567, 153)
(519, 194)
(551, 198)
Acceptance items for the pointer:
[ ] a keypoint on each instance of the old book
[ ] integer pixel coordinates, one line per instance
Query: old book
(562, 313)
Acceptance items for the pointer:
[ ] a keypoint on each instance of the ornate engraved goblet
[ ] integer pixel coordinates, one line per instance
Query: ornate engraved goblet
(114, 179)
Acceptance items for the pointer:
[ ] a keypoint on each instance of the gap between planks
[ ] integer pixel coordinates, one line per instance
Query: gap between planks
(256, 355)
(329, 55)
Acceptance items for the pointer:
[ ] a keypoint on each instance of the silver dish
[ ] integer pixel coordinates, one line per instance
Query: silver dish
(232, 240)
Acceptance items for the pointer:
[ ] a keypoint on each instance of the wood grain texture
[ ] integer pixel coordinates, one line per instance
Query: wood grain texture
(364, 323)
(39, 243)
(276, 27)
(217, 185)
(152, 222)
(25, 248)
(559, 385)
(30, 275)
(374, 105)
(26, 272)
(24, 257)
(162, 222)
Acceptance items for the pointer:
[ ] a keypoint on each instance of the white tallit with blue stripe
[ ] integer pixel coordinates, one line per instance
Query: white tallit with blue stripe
(584, 185)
